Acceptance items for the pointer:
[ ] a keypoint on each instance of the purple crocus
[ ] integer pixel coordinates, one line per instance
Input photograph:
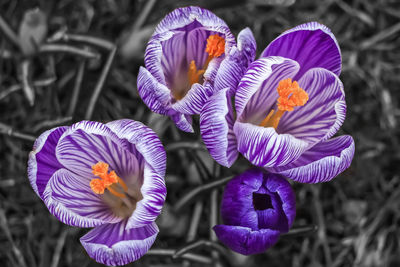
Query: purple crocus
(107, 176)
(187, 59)
(256, 208)
(287, 106)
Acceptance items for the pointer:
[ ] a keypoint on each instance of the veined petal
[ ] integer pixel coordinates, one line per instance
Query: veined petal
(183, 18)
(86, 143)
(216, 127)
(247, 45)
(153, 189)
(42, 163)
(286, 195)
(312, 45)
(324, 112)
(264, 147)
(69, 197)
(237, 210)
(154, 193)
(236, 62)
(193, 101)
(183, 122)
(322, 162)
(145, 140)
(244, 240)
(256, 94)
(153, 93)
(112, 244)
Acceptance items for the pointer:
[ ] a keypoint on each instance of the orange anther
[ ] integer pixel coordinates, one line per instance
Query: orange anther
(290, 95)
(100, 169)
(97, 186)
(215, 45)
(107, 180)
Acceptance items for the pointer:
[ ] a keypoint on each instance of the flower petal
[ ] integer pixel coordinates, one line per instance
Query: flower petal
(322, 162)
(236, 62)
(237, 202)
(183, 19)
(86, 143)
(312, 45)
(286, 194)
(42, 163)
(193, 101)
(264, 147)
(216, 127)
(153, 93)
(69, 197)
(153, 189)
(247, 44)
(245, 241)
(324, 112)
(154, 193)
(112, 244)
(145, 140)
(183, 122)
(256, 94)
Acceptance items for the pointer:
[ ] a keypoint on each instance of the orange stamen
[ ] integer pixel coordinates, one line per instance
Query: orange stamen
(290, 96)
(97, 186)
(115, 193)
(107, 180)
(194, 74)
(215, 45)
(215, 48)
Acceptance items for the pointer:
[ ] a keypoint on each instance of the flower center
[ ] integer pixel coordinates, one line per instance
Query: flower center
(262, 201)
(215, 48)
(108, 180)
(290, 96)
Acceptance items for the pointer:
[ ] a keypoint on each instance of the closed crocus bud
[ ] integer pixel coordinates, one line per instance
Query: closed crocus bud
(256, 208)
(32, 31)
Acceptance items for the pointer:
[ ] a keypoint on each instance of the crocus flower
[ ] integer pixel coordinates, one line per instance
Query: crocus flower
(287, 106)
(107, 176)
(256, 208)
(183, 60)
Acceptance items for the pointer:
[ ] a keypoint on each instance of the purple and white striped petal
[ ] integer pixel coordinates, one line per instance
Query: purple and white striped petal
(256, 94)
(193, 101)
(324, 112)
(183, 122)
(153, 189)
(112, 244)
(216, 127)
(192, 17)
(86, 143)
(153, 93)
(154, 193)
(264, 147)
(247, 45)
(244, 240)
(42, 163)
(145, 140)
(69, 197)
(321, 163)
(312, 45)
(236, 62)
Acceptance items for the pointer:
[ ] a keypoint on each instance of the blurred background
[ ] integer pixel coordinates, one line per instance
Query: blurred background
(85, 67)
